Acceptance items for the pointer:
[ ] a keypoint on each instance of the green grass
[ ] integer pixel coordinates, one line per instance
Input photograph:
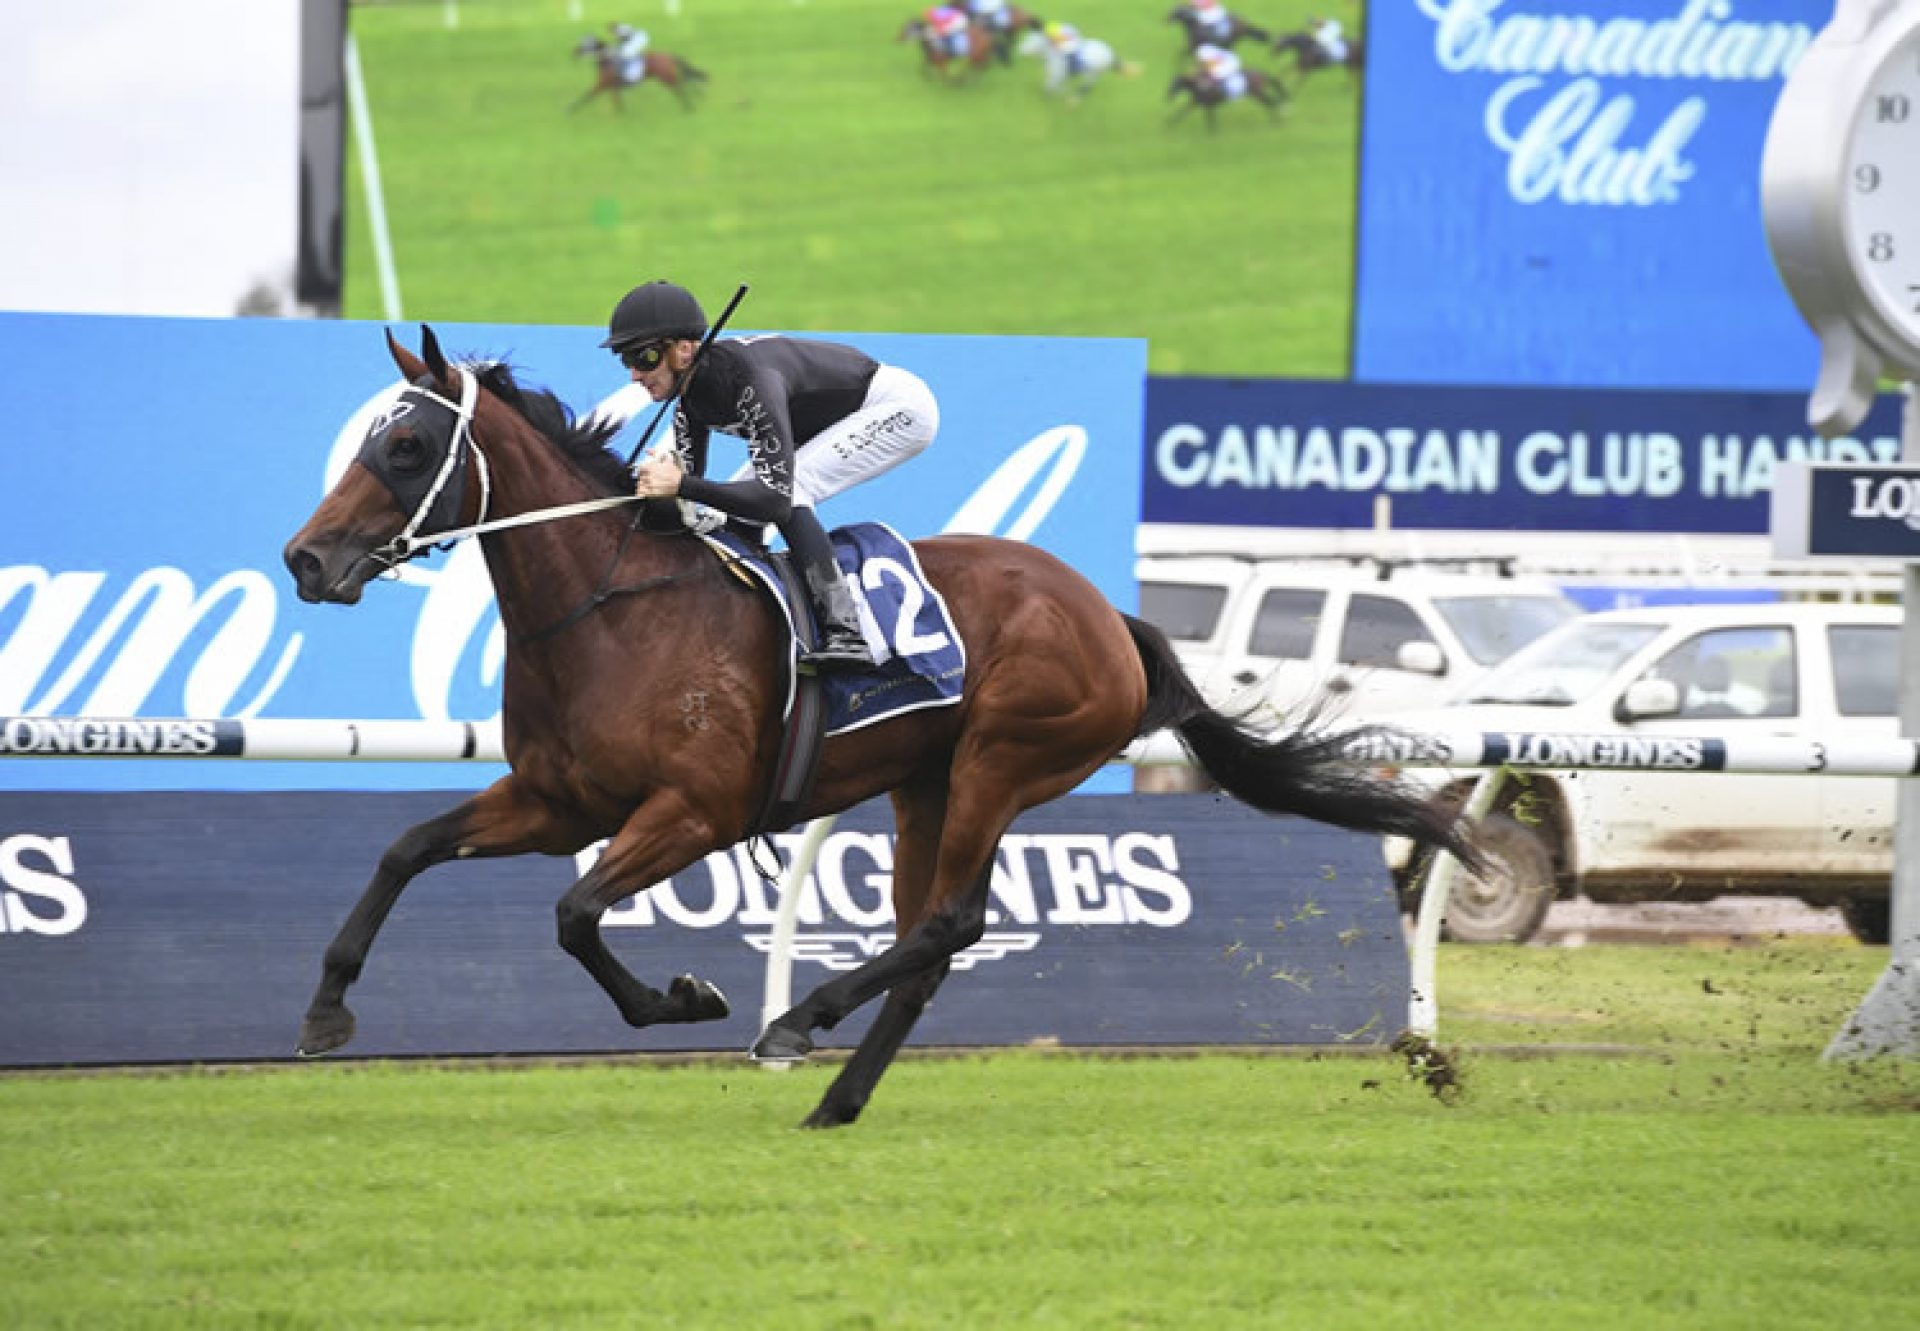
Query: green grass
(852, 193)
(1721, 1177)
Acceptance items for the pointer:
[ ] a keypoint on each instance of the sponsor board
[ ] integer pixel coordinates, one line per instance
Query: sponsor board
(1850, 512)
(1288, 453)
(1566, 192)
(188, 926)
(140, 571)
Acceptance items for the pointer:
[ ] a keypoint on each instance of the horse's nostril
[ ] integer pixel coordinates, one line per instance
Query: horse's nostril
(305, 567)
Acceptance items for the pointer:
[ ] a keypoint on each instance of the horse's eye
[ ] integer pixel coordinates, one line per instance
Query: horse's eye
(406, 453)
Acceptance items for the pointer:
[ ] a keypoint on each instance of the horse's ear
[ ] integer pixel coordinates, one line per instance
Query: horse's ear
(411, 366)
(436, 360)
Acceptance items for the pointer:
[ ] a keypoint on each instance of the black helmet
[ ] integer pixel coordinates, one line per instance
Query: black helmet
(653, 311)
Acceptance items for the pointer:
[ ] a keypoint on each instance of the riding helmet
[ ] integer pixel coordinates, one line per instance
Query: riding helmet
(656, 310)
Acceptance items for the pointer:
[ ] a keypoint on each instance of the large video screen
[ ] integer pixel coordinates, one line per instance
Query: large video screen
(1567, 192)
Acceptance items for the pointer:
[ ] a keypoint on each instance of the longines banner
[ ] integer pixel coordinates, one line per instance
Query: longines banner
(1567, 192)
(1298, 453)
(178, 926)
(155, 468)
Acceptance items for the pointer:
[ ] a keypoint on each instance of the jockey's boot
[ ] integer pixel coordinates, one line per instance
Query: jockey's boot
(842, 646)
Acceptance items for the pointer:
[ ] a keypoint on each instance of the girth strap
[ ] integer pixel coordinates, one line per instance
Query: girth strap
(805, 732)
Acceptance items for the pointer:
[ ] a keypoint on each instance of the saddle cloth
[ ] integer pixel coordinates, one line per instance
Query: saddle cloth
(921, 661)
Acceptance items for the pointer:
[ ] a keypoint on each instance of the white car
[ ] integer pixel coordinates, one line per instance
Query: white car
(1270, 634)
(1821, 670)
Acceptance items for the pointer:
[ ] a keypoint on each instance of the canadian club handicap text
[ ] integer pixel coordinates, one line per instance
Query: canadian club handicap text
(1408, 460)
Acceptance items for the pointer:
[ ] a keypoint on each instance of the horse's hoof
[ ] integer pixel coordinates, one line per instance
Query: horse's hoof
(324, 1032)
(781, 1044)
(696, 1000)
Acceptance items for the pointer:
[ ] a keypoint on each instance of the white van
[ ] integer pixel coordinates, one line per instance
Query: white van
(1273, 633)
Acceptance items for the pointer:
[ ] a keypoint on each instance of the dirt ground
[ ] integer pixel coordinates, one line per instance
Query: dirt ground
(1576, 923)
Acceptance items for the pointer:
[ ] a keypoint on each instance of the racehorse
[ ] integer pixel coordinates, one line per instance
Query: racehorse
(938, 57)
(672, 72)
(1076, 74)
(1209, 95)
(1200, 32)
(1308, 54)
(651, 712)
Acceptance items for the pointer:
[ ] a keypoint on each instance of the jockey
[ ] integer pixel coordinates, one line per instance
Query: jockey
(1333, 43)
(948, 24)
(630, 49)
(817, 417)
(1221, 67)
(1211, 18)
(1064, 38)
(995, 18)
(993, 15)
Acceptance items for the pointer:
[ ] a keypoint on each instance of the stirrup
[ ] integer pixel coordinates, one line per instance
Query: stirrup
(840, 651)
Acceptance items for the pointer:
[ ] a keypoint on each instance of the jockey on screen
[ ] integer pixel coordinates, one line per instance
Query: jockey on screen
(1211, 18)
(1064, 38)
(996, 19)
(948, 24)
(817, 417)
(1221, 67)
(1332, 42)
(630, 49)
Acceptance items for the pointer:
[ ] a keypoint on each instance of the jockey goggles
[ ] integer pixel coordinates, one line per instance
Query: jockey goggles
(645, 356)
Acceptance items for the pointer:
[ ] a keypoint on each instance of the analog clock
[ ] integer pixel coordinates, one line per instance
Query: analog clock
(1840, 192)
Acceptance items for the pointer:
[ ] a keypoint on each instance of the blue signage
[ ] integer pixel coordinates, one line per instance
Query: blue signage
(189, 927)
(1567, 192)
(156, 467)
(1848, 511)
(1292, 453)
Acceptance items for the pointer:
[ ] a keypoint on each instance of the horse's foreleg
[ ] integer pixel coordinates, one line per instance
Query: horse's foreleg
(661, 838)
(498, 821)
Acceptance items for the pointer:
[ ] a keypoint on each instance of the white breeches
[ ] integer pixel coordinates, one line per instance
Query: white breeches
(898, 420)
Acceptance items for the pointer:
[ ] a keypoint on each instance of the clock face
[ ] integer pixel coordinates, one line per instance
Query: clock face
(1881, 217)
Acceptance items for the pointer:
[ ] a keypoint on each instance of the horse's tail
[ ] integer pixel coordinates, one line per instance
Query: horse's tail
(689, 72)
(1305, 771)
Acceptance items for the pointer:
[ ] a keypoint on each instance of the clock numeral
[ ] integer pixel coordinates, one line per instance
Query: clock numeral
(1892, 108)
(1866, 177)
(1880, 247)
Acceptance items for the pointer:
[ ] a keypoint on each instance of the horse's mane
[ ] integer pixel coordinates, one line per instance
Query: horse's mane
(583, 443)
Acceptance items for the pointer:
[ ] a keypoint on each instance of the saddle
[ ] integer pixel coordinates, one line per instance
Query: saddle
(919, 659)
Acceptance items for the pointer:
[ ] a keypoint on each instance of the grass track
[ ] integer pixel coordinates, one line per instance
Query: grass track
(851, 192)
(1722, 1178)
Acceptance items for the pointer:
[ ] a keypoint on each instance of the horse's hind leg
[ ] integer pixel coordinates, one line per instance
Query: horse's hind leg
(919, 815)
(852, 1089)
(940, 901)
(662, 837)
(498, 821)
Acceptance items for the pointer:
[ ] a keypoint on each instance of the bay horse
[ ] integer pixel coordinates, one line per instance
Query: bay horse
(674, 73)
(1209, 95)
(1201, 30)
(1308, 54)
(938, 57)
(603, 737)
